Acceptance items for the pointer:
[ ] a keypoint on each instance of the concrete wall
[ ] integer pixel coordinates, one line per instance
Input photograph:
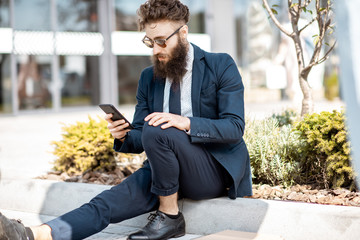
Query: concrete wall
(347, 25)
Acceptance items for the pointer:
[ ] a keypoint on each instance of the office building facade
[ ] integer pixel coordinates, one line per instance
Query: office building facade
(63, 54)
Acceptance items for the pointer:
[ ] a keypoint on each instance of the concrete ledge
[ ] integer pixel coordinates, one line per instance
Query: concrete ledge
(45, 197)
(291, 220)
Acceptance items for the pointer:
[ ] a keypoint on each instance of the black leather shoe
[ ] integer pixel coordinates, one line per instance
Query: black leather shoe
(11, 229)
(160, 227)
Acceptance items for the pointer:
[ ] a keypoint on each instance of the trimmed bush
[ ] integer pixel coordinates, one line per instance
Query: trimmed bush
(327, 153)
(85, 146)
(288, 117)
(273, 152)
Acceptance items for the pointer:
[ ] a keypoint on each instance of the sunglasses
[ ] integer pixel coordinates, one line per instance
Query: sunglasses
(160, 42)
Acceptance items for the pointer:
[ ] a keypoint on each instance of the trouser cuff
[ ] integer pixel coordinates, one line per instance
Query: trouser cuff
(162, 192)
(60, 230)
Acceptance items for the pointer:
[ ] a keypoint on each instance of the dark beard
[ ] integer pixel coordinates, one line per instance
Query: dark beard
(175, 68)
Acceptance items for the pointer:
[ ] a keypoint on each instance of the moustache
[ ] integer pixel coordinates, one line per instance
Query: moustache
(161, 55)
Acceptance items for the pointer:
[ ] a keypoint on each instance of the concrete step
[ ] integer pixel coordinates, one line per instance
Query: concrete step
(113, 231)
(290, 220)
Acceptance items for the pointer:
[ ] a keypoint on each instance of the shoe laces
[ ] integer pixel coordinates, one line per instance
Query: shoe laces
(153, 216)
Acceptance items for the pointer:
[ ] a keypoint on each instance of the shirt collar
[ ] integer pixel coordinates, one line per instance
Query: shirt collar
(190, 58)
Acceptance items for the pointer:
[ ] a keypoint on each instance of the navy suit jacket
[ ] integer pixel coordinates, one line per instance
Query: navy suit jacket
(218, 114)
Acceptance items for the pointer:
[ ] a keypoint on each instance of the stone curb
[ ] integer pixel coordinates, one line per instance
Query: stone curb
(291, 220)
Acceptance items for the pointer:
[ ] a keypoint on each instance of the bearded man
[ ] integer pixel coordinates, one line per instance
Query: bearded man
(189, 120)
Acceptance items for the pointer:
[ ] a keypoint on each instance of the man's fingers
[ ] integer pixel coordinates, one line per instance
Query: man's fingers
(166, 125)
(119, 122)
(120, 135)
(108, 117)
(160, 121)
(150, 116)
(168, 120)
(156, 118)
(118, 128)
(116, 124)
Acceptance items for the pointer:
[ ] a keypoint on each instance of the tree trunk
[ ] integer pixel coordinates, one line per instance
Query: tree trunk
(307, 102)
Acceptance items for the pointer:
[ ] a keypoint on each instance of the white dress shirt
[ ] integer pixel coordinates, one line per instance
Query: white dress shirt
(185, 87)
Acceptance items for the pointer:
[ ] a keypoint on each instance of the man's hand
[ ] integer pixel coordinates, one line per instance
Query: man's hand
(117, 128)
(170, 120)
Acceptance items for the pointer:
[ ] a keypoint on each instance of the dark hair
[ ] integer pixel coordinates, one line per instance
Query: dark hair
(155, 10)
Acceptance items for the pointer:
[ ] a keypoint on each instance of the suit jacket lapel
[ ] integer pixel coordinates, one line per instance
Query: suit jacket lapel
(159, 94)
(197, 79)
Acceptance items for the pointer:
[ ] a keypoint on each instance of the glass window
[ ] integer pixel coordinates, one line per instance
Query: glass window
(80, 80)
(129, 70)
(32, 15)
(240, 8)
(4, 14)
(5, 84)
(197, 15)
(77, 15)
(126, 18)
(34, 81)
(125, 13)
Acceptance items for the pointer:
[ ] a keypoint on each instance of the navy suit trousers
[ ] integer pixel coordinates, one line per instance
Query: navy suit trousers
(174, 165)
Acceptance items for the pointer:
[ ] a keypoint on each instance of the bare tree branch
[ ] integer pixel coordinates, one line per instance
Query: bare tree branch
(272, 16)
(294, 13)
(323, 24)
(312, 20)
(326, 56)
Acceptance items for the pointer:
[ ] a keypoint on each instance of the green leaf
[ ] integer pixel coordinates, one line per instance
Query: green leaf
(316, 40)
(274, 11)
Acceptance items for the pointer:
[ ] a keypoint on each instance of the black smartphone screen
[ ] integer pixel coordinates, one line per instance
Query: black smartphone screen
(109, 108)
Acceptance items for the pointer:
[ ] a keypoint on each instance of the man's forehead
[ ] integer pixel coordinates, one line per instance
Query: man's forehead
(160, 28)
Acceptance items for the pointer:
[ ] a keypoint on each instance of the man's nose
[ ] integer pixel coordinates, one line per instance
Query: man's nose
(156, 49)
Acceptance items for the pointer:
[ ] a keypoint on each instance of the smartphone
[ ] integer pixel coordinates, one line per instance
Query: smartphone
(109, 108)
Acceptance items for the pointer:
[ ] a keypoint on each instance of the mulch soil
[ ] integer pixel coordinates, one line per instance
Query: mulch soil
(300, 193)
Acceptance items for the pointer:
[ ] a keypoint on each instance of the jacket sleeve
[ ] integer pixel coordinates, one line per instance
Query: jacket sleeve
(132, 143)
(229, 125)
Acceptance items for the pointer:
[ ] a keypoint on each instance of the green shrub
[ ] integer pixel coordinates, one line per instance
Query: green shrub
(273, 151)
(85, 146)
(326, 158)
(288, 117)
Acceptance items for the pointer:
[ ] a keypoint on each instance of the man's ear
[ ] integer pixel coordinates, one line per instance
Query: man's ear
(184, 32)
